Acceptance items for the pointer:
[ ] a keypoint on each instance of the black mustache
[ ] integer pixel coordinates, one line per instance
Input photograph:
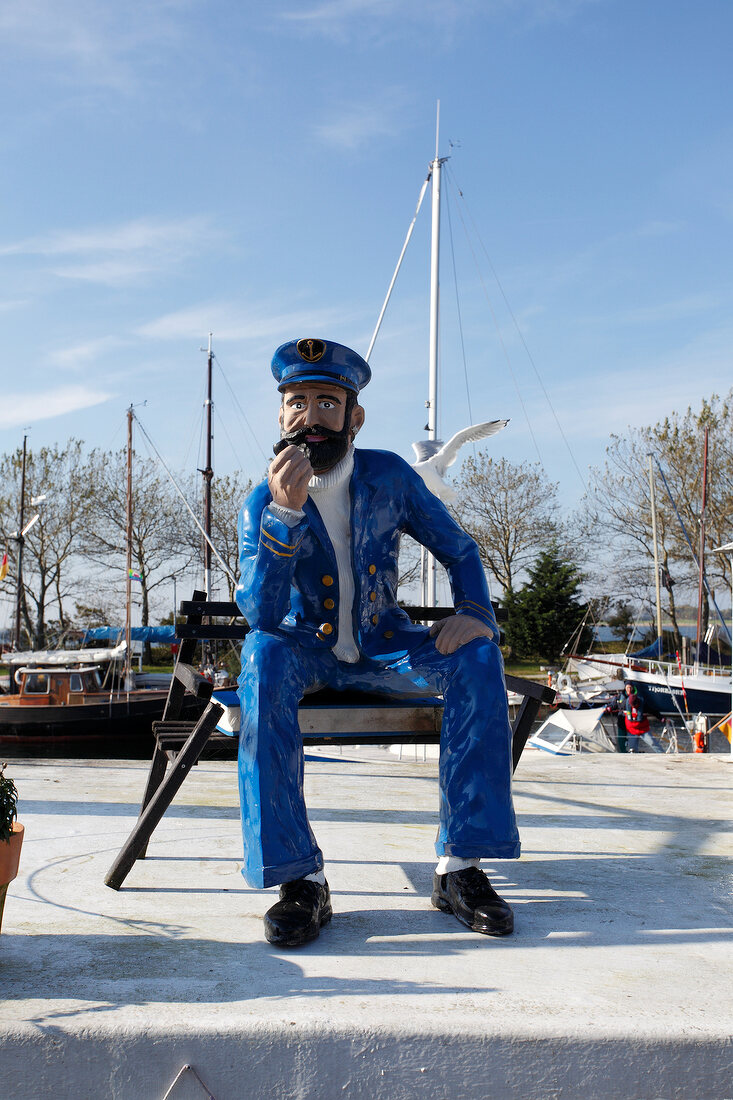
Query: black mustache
(299, 437)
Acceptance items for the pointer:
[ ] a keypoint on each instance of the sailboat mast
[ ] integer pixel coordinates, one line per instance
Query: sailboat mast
(701, 555)
(128, 571)
(656, 556)
(434, 290)
(432, 402)
(19, 574)
(208, 474)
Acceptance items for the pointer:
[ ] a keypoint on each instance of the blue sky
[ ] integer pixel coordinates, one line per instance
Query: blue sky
(180, 166)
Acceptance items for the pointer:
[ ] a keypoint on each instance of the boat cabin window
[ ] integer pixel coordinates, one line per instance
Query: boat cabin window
(36, 683)
(75, 682)
(93, 682)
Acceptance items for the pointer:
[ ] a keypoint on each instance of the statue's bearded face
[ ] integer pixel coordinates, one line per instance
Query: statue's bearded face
(318, 419)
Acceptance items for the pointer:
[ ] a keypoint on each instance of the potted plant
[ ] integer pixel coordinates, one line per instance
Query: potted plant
(11, 836)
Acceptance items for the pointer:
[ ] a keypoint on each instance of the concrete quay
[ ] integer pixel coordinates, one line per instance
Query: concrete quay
(616, 983)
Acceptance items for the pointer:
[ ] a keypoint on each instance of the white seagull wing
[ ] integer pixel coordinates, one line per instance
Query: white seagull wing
(448, 453)
(426, 448)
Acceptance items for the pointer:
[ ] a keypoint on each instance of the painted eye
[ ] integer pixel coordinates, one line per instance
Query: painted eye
(327, 405)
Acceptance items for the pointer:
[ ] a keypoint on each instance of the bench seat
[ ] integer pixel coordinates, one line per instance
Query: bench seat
(325, 717)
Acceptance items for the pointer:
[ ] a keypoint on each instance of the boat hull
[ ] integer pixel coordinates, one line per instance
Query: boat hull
(659, 694)
(126, 718)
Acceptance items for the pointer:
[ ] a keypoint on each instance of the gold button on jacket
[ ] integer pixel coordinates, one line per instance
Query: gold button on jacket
(327, 580)
(329, 604)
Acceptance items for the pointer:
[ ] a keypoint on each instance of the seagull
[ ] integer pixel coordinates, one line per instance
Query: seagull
(434, 457)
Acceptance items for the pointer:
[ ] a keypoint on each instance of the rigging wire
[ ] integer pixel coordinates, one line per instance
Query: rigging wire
(191, 434)
(498, 332)
(199, 452)
(397, 268)
(524, 342)
(243, 414)
(182, 495)
(220, 424)
(458, 311)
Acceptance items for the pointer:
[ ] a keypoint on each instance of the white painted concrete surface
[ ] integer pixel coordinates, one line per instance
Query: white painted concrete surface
(616, 984)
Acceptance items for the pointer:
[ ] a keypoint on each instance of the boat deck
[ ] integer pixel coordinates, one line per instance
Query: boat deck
(615, 984)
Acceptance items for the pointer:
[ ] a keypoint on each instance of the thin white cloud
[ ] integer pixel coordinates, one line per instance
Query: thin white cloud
(117, 254)
(109, 272)
(42, 404)
(398, 18)
(339, 11)
(259, 324)
(643, 392)
(99, 44)
(656, 312)
(133, 236)
(358, 124)
(80, 356)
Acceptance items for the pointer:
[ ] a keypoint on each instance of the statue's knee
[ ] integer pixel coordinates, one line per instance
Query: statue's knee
(265, 652)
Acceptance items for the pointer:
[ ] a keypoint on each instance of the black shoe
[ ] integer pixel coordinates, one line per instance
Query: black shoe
(303, 909)
(469, 895)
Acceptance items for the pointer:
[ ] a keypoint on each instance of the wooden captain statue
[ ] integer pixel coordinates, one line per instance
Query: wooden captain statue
(318, 543)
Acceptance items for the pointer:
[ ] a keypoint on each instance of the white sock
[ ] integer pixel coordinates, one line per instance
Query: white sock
(447, 864)
(317, 876)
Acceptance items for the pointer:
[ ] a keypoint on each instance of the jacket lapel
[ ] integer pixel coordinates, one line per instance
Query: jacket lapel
(362, 492)
(318, 528)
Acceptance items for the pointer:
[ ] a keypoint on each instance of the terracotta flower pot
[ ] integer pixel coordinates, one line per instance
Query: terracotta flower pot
(9, 861)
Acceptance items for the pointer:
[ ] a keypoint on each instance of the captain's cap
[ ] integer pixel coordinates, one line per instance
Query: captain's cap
(312, 360)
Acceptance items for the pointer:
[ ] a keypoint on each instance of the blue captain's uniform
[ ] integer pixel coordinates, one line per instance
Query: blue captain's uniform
(289, 593)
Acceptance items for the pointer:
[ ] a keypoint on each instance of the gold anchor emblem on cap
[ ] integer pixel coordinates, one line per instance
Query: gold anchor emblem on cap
(311, 350)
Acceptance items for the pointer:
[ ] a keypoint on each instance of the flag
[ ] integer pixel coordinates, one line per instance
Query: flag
(725, 728)
(4, 566)
(724, 725)
(135, 576)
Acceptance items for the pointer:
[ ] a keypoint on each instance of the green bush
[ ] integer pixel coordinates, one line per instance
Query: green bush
(8, 804)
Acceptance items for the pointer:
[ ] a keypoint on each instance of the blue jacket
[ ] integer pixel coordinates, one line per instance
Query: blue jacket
(289, 579)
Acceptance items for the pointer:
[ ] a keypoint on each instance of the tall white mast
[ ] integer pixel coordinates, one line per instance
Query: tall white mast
(432, 402)
(434, 289)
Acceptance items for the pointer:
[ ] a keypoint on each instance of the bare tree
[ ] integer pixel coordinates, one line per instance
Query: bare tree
(616, 513)
(228, 493)
(510, 510)
(52, 545)
(160, 546)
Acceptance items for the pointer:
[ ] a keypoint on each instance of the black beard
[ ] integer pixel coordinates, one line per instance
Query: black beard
(323, 455)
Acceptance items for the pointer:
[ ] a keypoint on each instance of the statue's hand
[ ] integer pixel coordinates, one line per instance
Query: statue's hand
(451, 633)
(288, 478)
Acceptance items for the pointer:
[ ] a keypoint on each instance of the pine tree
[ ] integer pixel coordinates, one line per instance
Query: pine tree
(546, 611)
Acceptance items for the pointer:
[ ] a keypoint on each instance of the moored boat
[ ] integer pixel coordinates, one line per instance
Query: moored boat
(64, 697)
(668, 690)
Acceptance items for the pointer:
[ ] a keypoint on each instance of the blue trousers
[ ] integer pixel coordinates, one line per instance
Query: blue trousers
(476, 812)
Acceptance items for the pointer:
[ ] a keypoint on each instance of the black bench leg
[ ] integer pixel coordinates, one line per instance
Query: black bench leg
(161, 800)
(158, 766)
(523, 727)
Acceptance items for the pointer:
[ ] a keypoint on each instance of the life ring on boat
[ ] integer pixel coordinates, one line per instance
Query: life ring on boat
(564, 683)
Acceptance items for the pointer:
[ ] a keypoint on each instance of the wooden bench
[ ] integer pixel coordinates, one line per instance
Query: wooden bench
(328, 717)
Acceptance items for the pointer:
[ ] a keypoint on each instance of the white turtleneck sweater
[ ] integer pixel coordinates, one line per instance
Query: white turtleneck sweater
(330, 494)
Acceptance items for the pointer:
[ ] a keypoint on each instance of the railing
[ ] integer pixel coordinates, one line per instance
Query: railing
(671, 668)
